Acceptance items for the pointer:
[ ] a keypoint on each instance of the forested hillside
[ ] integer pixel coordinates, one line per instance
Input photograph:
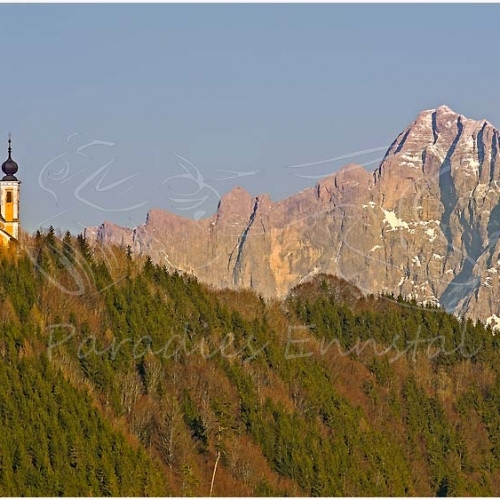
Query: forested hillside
(118, 378)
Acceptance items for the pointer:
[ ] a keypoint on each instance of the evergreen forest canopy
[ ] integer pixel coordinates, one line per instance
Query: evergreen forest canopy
(120, 378)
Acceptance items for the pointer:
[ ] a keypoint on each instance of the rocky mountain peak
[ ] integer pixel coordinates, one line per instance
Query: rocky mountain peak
(425, 224)
(235, 205)
(430, 143)
(236, 197)
(352, 180)
(425, 130)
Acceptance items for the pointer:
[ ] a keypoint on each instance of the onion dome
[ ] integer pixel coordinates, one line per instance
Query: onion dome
(9, 167)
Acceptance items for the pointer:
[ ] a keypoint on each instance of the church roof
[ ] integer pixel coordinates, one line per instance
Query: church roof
(9, 167)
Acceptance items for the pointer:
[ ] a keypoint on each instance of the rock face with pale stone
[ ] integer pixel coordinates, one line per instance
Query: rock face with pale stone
(425, 224)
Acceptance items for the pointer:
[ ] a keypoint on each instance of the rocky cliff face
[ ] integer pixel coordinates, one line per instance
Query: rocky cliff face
(425, 224)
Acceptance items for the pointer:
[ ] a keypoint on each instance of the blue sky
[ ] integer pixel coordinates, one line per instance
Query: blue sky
(115, 109)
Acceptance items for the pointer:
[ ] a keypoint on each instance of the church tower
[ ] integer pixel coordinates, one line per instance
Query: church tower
(9, 201)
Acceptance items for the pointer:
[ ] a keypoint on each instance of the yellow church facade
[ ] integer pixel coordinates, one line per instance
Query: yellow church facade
(9, 201)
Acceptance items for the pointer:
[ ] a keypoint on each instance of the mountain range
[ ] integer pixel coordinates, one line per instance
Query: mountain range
(425, 224)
